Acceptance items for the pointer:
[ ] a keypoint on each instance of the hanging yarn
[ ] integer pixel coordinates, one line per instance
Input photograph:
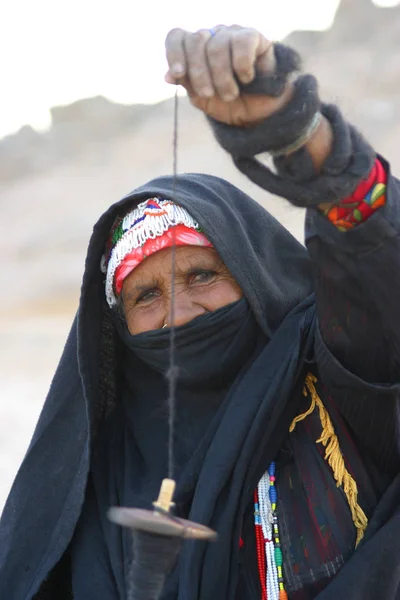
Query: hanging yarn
(157, 535)
(153, 559)
(333, 455)
(172, 375)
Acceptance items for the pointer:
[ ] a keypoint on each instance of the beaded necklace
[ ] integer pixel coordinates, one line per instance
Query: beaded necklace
(269, 553)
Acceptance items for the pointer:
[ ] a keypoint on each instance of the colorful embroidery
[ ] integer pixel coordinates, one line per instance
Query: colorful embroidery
(367, 198)
(180, 235)
(269, 553)
(153, 225)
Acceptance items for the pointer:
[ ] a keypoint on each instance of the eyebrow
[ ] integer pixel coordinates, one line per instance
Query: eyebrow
(136, 289)
(192, 262)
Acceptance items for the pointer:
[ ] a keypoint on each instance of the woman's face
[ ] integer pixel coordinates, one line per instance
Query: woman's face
(202, 284)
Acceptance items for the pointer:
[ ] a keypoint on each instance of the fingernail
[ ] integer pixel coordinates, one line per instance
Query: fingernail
(177, 68)
(207, 92)
(247, 77)
(168, 77)
(229, 97)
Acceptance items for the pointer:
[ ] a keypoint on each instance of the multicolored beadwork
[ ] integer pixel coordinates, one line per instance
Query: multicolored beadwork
(269, 552)
(153, 225)
(367, 198)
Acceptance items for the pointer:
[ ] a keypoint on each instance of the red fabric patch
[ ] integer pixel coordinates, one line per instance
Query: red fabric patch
(180, 235)
(366, 199)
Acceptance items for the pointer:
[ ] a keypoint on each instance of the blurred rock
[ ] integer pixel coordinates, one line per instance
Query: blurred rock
(79, 128)
(96, 150)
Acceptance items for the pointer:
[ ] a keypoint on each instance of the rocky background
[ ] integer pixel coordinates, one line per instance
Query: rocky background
(54, 185)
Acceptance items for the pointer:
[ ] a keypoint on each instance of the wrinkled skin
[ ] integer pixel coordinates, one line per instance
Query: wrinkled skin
(202, 284)
(205, 66)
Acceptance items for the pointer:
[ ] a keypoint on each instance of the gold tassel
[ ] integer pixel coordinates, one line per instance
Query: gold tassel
(334, 456)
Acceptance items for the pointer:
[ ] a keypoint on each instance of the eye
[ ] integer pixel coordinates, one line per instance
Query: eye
(201, 276)
(147, 296)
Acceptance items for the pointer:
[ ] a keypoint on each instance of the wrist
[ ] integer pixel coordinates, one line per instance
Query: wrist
(271, 105)
(299, 102)
(319, 145)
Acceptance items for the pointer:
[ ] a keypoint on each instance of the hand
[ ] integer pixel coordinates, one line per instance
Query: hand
(206, 65)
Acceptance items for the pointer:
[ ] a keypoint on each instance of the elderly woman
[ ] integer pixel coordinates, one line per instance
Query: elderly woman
(288, 362)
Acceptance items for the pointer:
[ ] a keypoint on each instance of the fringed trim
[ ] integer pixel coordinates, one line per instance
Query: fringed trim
(333, 455)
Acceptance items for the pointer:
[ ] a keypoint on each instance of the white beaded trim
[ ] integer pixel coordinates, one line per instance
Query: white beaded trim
(137, 232)
(265, 509)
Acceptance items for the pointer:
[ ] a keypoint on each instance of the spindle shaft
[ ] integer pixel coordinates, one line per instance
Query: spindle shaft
(157, 539)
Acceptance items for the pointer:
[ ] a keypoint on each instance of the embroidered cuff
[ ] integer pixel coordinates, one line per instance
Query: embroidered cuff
(367, 198)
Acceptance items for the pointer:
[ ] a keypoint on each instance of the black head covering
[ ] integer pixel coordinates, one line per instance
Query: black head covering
(263, 256)
(274, 273)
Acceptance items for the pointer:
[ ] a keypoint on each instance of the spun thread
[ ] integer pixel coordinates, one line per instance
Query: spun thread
(153, 558)
(172, 374)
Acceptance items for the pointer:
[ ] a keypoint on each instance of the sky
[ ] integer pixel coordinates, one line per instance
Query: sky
(54, 53)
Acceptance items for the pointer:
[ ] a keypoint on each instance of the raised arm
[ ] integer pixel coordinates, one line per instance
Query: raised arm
(241, 82)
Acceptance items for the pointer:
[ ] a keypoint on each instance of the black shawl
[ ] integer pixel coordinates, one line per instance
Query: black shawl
(274, 272)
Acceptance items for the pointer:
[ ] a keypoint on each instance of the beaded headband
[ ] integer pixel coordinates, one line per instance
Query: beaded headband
(153, 225)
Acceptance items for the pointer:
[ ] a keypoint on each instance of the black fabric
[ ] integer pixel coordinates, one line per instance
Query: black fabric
(131, 456)
(205, 374)
(357, 285)
(277, 131)
(311, 508)
(208, 349)
(274, 272)
(287, 61)
(349, 162)
(220, 454)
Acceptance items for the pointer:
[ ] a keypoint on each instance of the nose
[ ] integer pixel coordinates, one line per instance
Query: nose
(183, 311)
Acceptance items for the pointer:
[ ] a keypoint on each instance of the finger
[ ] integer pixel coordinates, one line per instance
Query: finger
(183, 81)
(251, 51)
(169, 78)
(245, 44)
(218, 52)
(174, 48)
(196, 63)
